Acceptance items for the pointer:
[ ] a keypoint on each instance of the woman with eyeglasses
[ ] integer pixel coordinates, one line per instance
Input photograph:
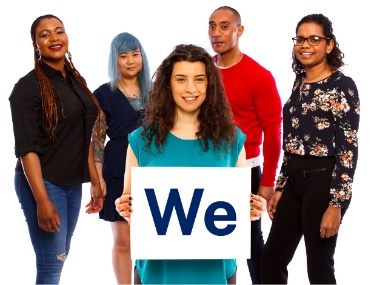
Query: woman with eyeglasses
(320, 128)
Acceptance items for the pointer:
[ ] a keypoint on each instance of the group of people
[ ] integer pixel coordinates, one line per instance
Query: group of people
(223, 109)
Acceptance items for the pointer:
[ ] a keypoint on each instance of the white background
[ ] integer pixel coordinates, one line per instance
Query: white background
(160, 25)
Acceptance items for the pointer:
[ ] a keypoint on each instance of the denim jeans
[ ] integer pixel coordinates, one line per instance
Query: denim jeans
(51, 248)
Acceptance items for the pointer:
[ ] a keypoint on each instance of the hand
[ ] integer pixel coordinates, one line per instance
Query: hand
(272, 204)
(124, 206)
(47, 216)
(95, 204)
(258, 205)
(330, 223)
(266, 192)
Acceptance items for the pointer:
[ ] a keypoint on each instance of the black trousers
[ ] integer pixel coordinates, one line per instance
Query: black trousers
(257, 241)
(299, 213)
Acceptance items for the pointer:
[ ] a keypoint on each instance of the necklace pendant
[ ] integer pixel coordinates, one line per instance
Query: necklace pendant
(127, 94)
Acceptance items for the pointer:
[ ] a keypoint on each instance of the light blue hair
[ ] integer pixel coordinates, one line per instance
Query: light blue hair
(125, 42)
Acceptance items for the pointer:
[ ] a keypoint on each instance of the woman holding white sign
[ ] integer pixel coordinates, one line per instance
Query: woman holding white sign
(186, 109)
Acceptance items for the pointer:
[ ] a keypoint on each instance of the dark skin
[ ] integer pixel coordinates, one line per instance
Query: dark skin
(47, 214)
(52, 46)
(52, 43)
(224, 34)
(316, 68)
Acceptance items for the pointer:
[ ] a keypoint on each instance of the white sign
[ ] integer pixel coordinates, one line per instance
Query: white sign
(190, 213)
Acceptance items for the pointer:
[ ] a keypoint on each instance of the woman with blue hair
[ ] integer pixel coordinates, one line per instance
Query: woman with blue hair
(122, 101)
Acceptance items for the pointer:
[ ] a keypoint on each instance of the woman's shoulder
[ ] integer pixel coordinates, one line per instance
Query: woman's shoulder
(137, 131)
(344, 83)
(102, 94)
(240, 134)
(340, 77)
(27, 85)
(136, 134)
(28, 78)
(103, 89)
(135, 140)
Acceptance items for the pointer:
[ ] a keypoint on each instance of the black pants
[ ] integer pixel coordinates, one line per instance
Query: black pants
(299, 212)
(257, 241)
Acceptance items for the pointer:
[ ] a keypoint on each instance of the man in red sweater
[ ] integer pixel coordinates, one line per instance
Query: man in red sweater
(257, 110)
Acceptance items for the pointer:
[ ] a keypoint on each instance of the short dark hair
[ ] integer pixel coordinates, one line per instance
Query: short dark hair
(236, 15)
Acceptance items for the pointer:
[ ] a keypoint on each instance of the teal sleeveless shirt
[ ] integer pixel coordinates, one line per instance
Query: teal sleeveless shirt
(185, 153)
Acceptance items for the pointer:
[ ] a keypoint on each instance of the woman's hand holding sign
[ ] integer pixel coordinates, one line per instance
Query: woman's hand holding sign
(258, 205)
(123, 206)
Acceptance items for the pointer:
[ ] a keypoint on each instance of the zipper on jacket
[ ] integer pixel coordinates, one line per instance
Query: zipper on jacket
(313, 171)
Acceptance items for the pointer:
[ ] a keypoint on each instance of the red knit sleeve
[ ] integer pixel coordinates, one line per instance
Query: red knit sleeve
(269, 110)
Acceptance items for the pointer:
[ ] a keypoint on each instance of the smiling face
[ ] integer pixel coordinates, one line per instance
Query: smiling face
(312, 56)
(129, 63)
(188, 85)
(224, 31)
(51, 42)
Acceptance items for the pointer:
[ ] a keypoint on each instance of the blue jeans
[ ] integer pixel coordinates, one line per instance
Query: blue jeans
(51, 248)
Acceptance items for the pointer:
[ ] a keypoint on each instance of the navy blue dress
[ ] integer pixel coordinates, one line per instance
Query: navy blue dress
(122, 119)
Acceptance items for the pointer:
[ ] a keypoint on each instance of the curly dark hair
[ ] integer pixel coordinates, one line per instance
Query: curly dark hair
(334, 58)
(48, 92)
(215, 117)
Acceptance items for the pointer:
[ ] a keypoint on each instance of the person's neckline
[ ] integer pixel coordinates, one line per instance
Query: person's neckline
(320, 80)
(221, 67)
(182, 139)
(226, 67)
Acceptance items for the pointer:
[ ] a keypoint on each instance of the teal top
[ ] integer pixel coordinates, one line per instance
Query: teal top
(185, 153)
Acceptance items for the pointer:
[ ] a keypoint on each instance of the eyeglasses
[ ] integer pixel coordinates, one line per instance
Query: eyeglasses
(312, 40)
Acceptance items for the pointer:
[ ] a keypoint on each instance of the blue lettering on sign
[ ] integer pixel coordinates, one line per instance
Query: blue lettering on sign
(186, 222)
(210, 218)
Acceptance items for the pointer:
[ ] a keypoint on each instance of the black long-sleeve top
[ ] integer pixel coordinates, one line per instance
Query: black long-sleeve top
(64, 162)
(322, 119)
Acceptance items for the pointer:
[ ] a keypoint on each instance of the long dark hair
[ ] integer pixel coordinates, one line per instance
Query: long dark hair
(48, 91)
(215, 117)
(334, 58)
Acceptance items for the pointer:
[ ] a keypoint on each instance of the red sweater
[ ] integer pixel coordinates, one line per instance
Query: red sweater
(257, 110)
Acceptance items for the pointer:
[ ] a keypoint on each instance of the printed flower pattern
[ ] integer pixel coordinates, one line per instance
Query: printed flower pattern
(322, 119)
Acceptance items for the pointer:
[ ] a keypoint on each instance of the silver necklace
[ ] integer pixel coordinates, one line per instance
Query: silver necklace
(127, 94)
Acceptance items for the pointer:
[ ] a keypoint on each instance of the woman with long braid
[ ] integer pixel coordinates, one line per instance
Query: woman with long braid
(53, 114)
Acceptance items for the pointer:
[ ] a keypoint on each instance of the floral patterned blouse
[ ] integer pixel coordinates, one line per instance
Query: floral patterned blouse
(322, 119)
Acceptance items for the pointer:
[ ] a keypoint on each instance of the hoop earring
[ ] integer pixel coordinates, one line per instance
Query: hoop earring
(38, 53)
